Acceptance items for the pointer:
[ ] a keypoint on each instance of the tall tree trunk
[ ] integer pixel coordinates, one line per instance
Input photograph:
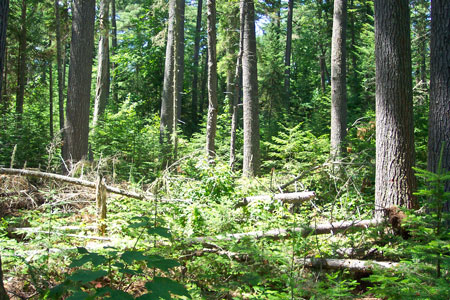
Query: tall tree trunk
(237, 88)
(114, 49)
(394, 181)
(4, 8)
(102, 91)
(50, 92)
(439, 117)
(79, 87)
(195, 68)
(59, 64)
(287, 55)
(166, 123)
(203, 91)
(323, 69)
(3, 294)
(179, 40)
(250, 93)
(212, 79)
(338, 80)
(21, 66)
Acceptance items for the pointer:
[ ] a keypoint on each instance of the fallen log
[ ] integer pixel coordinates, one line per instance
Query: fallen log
(77, 181)
(280, 233)
(291, 198)
(355, 265)
(283, 186)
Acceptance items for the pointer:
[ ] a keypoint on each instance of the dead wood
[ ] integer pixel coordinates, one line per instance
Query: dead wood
(285, 233)
(71, 180)
(283, 186)
(355, 265)
(291, 198)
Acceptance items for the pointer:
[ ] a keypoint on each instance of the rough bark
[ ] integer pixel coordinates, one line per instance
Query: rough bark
(59, 64)
(179, 70)
(101, 195)
(237, 88)
(21, 62)
(250, 93)
(103, 71)
(114, 47)
(338, 78)
(291, 198)
(287, 54)
(395, 181)
(166, 123)
(80, 73)
(439, 117)
(198, 28)
(212, 79)
(281, 233)
(4, 8)
(3, 294)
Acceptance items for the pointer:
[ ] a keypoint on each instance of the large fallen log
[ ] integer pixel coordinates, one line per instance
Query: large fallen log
(291, 198)
(355, 265)
(280, 233)
(77, 181)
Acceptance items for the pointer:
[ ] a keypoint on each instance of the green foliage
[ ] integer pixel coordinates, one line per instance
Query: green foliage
(131, 142)
(91, 283)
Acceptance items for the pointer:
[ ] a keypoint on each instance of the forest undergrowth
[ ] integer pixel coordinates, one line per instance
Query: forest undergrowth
(154, 247)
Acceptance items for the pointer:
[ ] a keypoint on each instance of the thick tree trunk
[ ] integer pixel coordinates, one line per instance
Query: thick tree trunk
(354, 265)
(79, 88)
(3, 294)
(395, 181)
(114, 48)
(250, 92)
(21, 63)
(212, 79)
(166, 123)
(59, 63)
(237, 88)
(198, 28)
(4, 8)
(439, 117)
(103, 83)
(287, 55)
(338, 79)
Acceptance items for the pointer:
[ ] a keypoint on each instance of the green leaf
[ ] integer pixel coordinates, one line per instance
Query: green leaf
(130, 256)
(95, 258)
(162, 287)
(148, 297)
(119, 295)
(161, 231)
(82, 250)
(86, 276)
(156, 261)
(78, 296)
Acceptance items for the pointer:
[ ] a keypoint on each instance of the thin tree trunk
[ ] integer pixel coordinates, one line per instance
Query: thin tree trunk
(287, 55)
(114, 49)
(50, 90)
(323, 70)
(4, 8)
(59, 63)
(80, 73)
(103, 83)
(250, 92)
(166, 123)
(237, 88)
(395, 181)
(212, 79)
(203, 91)
(21, 66)
(338, 79)
(179, 71)
(439, 116)
(195, 68)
